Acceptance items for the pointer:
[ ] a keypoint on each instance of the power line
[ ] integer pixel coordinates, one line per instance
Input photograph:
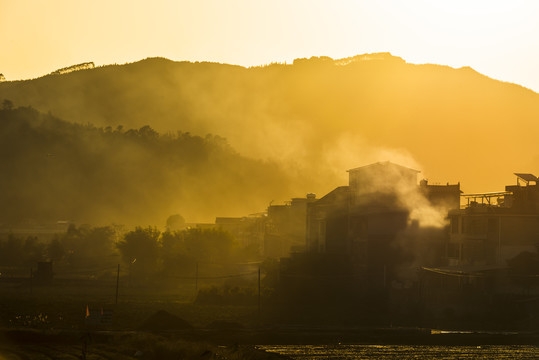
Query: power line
(212, 277)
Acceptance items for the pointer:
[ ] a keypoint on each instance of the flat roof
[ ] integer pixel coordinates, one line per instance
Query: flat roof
(383, 163)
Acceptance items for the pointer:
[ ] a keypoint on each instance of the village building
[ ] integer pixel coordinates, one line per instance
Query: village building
(489, 257)
(373, 211)
(495, 227)
(370, 246)
(365, 238)
(247, 230)
(285, 229)
(277, 233)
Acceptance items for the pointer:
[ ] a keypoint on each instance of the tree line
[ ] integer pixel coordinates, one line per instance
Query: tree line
(146, 252)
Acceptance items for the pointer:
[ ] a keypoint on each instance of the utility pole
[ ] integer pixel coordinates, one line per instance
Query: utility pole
(259, 295)
(31, 281)
(117, 283)
(196, 281)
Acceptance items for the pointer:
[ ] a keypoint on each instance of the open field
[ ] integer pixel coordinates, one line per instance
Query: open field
(62, 304)
(48, 322)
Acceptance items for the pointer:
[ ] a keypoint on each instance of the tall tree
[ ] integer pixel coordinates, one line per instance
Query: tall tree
(140, 250)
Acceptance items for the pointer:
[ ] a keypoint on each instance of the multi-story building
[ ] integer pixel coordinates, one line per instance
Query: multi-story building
(277, 233)
(285, 228)
(367, 238)
(492, 228)
(247, 230)
(374, 210)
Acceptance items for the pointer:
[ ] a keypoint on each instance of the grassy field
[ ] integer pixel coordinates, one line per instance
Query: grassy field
(62, 304)
(48, 322)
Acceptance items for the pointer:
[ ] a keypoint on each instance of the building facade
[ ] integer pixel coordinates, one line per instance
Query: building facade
(495, 227)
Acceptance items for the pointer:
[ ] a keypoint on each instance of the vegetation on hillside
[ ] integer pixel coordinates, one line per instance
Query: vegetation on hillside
(56, 170)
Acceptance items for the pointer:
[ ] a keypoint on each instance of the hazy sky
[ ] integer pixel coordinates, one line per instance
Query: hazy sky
(497, 38)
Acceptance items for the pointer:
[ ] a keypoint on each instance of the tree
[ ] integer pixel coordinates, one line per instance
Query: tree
(99, 241)
(175, 222)
(7, 105)
(140, 250)
(88, 246)
(11, 251)
(174, 256)
(55, 250)
(33, 250)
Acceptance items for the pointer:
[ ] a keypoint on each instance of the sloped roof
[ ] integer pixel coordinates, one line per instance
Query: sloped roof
(337, 194)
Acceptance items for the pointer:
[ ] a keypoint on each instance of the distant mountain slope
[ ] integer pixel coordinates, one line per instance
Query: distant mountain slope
(318, 116)
(54, 170)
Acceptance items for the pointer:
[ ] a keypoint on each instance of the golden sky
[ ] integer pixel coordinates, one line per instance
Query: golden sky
(497, 38)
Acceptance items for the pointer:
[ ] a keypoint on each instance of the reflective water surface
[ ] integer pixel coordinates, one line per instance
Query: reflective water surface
(341, 352)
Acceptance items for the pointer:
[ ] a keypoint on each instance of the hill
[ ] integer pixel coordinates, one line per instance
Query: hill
(316, 117)
(55, 170)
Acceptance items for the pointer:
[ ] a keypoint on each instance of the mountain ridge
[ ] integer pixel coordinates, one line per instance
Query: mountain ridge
(339, 62)
(315, 116)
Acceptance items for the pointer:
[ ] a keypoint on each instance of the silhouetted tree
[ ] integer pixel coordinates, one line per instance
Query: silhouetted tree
(174, 256)
(140, 250)
(175, 222)
(11, 251)
(88, 246)
(55, 250)
(7, 105)
(33, 251)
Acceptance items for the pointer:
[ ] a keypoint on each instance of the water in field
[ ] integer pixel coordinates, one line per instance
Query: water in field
(404, 352)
